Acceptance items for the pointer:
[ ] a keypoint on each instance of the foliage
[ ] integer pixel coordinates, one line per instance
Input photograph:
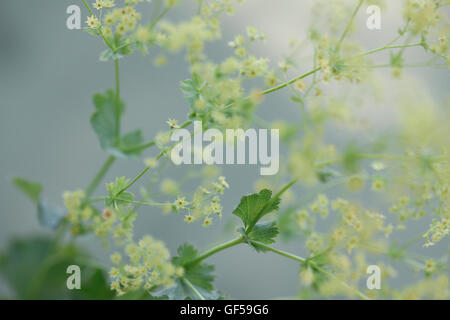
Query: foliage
(406, 168)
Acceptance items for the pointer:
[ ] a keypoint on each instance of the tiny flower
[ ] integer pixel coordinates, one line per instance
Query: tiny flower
(216, 208)
(430, 266)
(151, 162)
(93, 22)
(107, 213)
(378, 166)
(218, 187)
(223, 182)
(207, 222)
(99, 4)
(142, 34)
(300, 85)
(240, 52)
(114, 272)
(188, 218)
(181, 203)
(256, 96)
(116, 257)
(377, 185)
(108, 3)
(179, 271)
(173, 123)
(115, 286)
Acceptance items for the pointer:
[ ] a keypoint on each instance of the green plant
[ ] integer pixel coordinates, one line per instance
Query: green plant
(410, 166)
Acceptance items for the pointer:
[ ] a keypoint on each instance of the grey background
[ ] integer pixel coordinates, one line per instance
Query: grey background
(48, 75)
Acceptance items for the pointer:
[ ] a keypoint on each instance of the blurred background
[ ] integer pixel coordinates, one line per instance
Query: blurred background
(48, 75)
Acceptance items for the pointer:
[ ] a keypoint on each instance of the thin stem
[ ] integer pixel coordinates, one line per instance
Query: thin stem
(280, 252)
(347, 29)
(144, 203)
(356, 291)
(287, 83)
(193, 288)
(117, 119)
(100, 175)
(87, 6)
(139, 147)
(303, 260)
(133, 181)
(200, 5)
(99, 29)
(187, 123)
(214, 250)
(385, 48)
(161, 15)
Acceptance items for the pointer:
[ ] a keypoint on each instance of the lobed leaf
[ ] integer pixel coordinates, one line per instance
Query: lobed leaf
(255, 206)
(31, 189)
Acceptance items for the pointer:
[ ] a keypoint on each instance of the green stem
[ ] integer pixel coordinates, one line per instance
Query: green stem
(87, 6)
(385, 48)
(144, 203)
(117, 119)
(139, 147)
(161, 15)
(288, 255)
(287, 83)
(134, 180)
(184, 125)
(280, 252)
(343, 283)
(347, 29)
(303, 260)
(100, 175)
(193, 288)
(214, 250)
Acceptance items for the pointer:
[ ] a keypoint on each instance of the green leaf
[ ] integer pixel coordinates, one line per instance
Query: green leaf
(396, 59)
(94, 286)
(129, 142)
(114, 188)
(351, 158)
(191, 88)
(181, 291)
(264, 233)
(35, 268)
(186, 253)
(199, 274)
(31, 189)
(255, 206)
(326, 174)
(103, 120)
(49, 215)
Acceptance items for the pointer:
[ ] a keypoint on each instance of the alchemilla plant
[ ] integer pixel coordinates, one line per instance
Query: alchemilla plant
(407, 166)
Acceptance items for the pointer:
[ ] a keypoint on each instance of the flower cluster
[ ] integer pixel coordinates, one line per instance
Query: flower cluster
(147, 266)
(205, 203)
